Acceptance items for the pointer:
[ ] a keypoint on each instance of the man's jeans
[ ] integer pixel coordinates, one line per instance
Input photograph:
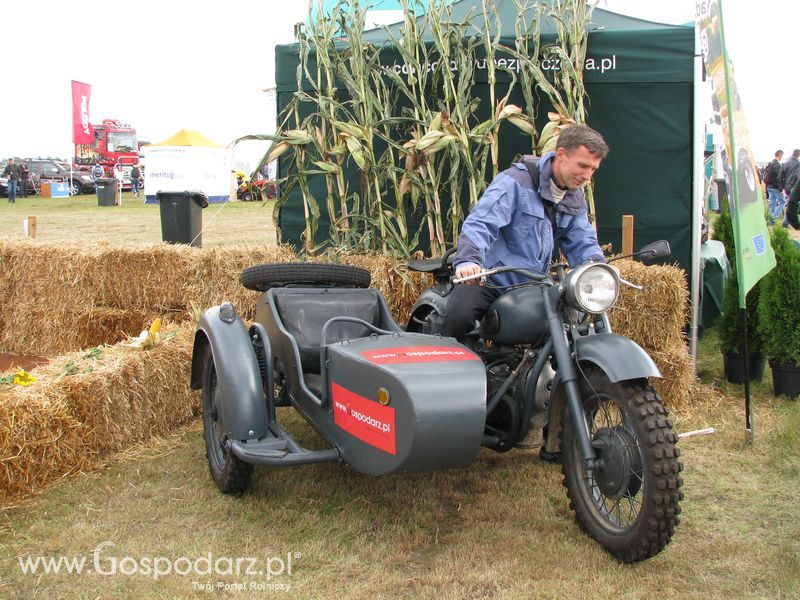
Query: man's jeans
(12, 190)
(776, 202)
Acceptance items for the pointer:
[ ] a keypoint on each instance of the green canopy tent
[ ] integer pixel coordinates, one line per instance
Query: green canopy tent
(639, 77)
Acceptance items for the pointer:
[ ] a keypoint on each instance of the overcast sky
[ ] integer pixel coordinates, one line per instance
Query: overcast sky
(172, 64)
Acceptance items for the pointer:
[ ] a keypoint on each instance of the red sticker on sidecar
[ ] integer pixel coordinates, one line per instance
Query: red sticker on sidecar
(418, 354)
(364, 419)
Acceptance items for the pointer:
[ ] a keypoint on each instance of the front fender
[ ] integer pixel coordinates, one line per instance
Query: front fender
(241, 400)
(619, 357)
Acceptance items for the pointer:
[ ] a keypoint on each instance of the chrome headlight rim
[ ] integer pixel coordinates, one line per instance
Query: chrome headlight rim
(573, 292)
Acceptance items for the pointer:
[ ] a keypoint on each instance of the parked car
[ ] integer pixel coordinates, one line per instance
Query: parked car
(47, 170)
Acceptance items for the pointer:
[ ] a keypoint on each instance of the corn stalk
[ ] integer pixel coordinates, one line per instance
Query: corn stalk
(437, 146)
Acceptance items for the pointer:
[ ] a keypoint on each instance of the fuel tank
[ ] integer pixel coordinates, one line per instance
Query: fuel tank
(408, 402)
(516, 317)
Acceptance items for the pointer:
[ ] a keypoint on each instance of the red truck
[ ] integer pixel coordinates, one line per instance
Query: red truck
(114, 144)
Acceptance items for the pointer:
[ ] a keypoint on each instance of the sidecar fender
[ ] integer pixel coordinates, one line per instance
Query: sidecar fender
(241, 398)
(620, 358)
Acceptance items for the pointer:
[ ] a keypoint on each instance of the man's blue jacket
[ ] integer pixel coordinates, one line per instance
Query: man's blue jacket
(510, 227)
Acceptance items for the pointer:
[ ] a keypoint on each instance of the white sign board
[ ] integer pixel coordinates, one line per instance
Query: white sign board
(181, 168)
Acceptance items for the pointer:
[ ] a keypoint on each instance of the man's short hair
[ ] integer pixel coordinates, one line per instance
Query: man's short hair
(779, 153)
(572, 137)
(796, 153)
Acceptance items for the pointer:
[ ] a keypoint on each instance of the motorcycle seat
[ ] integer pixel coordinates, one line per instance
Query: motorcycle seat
(428, 265)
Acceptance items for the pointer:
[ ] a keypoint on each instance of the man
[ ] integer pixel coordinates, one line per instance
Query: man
(97, 173)
(517, 224)
(772, 177)
(135, 175)
(789, 174)
(24, 174)
(792, 217)
(12, 172)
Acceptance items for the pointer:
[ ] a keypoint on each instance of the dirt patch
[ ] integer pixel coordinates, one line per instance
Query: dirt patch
(20, 361)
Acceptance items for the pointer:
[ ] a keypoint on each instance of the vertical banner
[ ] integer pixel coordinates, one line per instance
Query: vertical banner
(754, 255)
(82, 132)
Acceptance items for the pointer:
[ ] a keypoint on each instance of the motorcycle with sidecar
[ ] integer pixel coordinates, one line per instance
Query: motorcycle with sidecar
(542, 367)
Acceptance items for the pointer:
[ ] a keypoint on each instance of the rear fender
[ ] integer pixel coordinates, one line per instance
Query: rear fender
(243, 407)
(431, 300)
(620, 358)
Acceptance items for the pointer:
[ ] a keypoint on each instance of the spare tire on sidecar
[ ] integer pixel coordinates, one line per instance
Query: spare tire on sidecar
(385, 400)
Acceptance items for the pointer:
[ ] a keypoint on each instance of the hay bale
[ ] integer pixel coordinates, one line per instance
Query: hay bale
(654, 318)
(656, 315)
(104, 325)
(40, 441)
(214, 276)
(679, 385)
(150, 277)
(84, 406)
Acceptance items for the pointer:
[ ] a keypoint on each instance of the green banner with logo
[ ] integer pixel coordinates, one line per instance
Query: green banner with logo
(754, 255)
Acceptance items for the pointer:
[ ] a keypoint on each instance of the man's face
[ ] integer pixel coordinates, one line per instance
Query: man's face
(574, 168)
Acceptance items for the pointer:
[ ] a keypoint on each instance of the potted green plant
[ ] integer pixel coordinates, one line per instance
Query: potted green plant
(779, 317)
(729, 323)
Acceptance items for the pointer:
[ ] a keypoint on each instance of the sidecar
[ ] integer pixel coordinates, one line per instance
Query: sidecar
(383, 400)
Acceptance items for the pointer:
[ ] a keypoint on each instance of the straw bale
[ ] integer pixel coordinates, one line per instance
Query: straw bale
(399, 286)
(214, 276)
(40, 440)
(84, 406)
(654, 318)
(39, 328)
(148, 277)
(104, 325)
(679, 385)
(656, 315)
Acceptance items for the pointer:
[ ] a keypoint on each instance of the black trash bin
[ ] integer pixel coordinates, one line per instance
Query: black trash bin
(106, 191)
(182, 217)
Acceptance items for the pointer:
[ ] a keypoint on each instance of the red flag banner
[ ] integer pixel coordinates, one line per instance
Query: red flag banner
(82, 132)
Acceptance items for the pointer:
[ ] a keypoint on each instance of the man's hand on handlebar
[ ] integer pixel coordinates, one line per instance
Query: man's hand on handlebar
(468, 269)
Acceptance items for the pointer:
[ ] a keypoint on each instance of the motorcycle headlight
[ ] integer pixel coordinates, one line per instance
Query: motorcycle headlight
(592, 288)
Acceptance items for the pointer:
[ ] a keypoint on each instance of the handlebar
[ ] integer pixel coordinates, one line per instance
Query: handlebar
(534, 276)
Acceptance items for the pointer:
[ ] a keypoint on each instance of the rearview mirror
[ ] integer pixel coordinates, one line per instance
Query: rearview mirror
(654, 252)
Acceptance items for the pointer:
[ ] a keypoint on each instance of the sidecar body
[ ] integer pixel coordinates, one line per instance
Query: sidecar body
(383, 400)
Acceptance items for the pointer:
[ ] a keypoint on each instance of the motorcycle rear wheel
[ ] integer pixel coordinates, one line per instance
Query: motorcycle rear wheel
(631, 504)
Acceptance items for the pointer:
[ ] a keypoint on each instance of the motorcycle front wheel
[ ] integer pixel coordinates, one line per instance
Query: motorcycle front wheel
(630, 504)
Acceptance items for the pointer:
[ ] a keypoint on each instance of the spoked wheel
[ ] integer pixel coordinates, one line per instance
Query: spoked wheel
(231, 475)
(630, 504)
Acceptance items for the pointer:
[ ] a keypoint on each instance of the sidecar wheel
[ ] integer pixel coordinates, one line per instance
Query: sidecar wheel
(631, 504)
(263, 277)
(231, 475)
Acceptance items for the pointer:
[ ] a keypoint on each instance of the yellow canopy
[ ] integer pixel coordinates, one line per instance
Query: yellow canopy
(187, 137)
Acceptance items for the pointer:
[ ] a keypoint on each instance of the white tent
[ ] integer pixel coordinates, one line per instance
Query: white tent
(187, 161)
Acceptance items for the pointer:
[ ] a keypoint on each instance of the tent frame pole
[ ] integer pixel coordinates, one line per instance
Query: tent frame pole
(697, 195)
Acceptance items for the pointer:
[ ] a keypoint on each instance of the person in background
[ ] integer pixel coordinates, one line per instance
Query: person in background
(789, 174)
(97, 173)
(772, 177)
(792, 217)
(12, 172)
(136, 174)
(24, 175)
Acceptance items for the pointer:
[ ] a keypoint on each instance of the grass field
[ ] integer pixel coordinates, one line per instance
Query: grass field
(79, 218)
(500, 529)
